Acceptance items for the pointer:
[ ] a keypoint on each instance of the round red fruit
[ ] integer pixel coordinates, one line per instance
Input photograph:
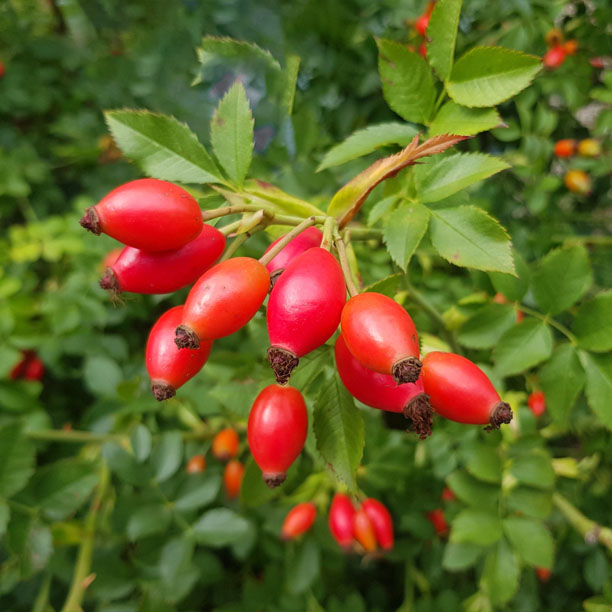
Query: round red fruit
(381, 521)
(232, 478)
(225, 444)
(340, 520)
(146, 214)
(304, 309)
(460, 391)
(299, 520)
(381, 334)
(277, 429)
(447, 495)
(363, 530)
(381, 391)
(196, 464)
(168, 367)
(554, 57)
(34, 369)
(309, 238)
(150, 272)
(224, 299)
(537, 403)
(565, 148)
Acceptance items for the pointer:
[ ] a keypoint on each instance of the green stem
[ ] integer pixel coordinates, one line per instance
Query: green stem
(42, 599)
(352, 259)
(215, 213)
(365, 233)
(286, 239)
(328, 230)
(228, 229)
(344, 264)
(439, 101)
(80, 579)
(599, 240)
(73, 436)
(589, 529)
(546, 319)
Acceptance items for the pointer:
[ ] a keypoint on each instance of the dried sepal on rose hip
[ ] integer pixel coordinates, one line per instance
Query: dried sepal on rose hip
(382, 392)
(298, 520)
(460, 391)
(304, 309)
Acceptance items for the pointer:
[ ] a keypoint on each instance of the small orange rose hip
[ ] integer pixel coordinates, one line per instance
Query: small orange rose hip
(196, 464)
(232, 478)
(565, 148)
(225, 444)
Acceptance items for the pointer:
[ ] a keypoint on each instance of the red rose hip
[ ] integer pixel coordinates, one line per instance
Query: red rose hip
(537, 403)
(304, 309)
(381, 522)
(299, 520)
(363, 530)
(232, 478)
(146, 214)
(340, 520)
(460, 391)
(382, 336)
(168, 367)
(554, 57)
(225, 444)
(276, 431)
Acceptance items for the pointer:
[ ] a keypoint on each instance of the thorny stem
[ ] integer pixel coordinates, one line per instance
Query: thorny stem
(546, 319)
(346, 270)
(285, 240)
(328, 230)
(589, 529)
(82, 579)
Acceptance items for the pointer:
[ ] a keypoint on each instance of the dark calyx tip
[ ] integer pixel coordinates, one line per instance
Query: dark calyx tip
(274, 277)
(109, 282)
(282, 362)
(420, 414)
(186, 338)
(502, 413)
(162, 391)
(407, 370)
(274, 479)
(90, 221)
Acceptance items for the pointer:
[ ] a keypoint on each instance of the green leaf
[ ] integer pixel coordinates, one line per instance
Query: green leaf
(477, 527)
(529, 501)
(231, 133)
(535, 470)
(500, 578)
(147, 520)
(455, 119)
(562, 378)
(280, 201)
(483, 463)
(599, 603)
(593, 323)
(487, 325)
(141, 442)
(460, 555)
(290, 76)
(339, 430)
(407, 82)
(214, 47)
(162, 146)
(473, 492)
(196, 491)
(467, 236)
(404, 230)
(439, 178)
(596, 570)
(510, 286)
(366, 141)
(167, 455)
(254, 491)
(487, 76)
(102, 375)
(125, 465)
(561, 279)
(389, 285)
(598, 370)
(442, 35)
(522, 347)
(220, 527)
(5, 515)
(303, 566)
(531, 539)
(16, 459)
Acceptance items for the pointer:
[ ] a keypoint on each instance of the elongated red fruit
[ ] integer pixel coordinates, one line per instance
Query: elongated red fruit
(381, 391)
(232, 478)
(381, 334)
(309, 238)
(146, 214)
(224, 299)
(277, 429)
(340, 520)
(460, 391)
(168, 367)
(537, 403)
(554, 57)
(381, 521)
(299, 520)
(304, 309)
(154, 272)
(363, 530)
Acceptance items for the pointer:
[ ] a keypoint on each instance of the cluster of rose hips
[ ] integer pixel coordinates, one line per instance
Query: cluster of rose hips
(168, 247)
(577, 181)
(558, 49)
(420, 25)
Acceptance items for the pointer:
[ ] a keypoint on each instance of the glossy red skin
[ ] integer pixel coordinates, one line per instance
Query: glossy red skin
(299, 520)
(378, 331)
(150, 214)
(381, 521)
(225, 444)
(165, 362)
(363, 530)
(226, 297)
(554, 57)
(537, 403)
(155, 272)
(565, 148)
(437, 519)
(308, 239)
(458, 389)
(277, 428)
(232, 478)
(372, 388)
(306, 303)
(340, 519)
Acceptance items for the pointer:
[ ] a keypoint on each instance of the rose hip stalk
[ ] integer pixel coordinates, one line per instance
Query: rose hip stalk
(155, 272)
(340, 520)
(277, 429)
(223, 300)
(168, 367)
(381, 391)
(304, 309)
(381, 522)
(460, 391)
(146, 214)
(298, 521)
(382, 336)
